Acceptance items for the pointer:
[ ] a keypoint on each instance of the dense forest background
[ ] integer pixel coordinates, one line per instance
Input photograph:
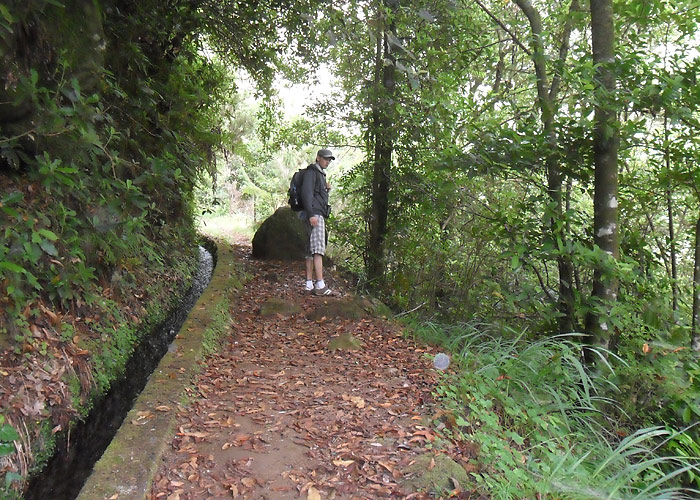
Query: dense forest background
(519, 179)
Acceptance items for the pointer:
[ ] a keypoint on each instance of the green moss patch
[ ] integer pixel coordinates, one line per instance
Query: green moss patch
(345, 342)
(435, 473)
(280, 307)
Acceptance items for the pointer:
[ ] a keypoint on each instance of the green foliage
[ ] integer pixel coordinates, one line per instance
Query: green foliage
(108, 199)
(8, 435)
(543, 423)
(685, 445)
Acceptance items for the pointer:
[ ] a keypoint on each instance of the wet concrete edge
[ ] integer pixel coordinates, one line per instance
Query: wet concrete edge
(127, 467)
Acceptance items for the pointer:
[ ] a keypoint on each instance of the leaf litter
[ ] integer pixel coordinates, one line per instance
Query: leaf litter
(275, 415)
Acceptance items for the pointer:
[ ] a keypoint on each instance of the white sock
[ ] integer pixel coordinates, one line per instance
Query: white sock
(320, 284)
(309, 284)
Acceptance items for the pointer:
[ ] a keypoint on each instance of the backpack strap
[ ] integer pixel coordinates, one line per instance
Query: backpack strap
(315, 171)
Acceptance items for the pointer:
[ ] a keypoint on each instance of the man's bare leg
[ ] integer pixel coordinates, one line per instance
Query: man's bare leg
(309, 268)
(318, 266)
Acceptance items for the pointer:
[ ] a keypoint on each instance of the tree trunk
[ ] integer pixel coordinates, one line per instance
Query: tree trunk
(669, 211)
(605, 201)
(695, 329)
(547, 98)
(383, 132)
(674, 258)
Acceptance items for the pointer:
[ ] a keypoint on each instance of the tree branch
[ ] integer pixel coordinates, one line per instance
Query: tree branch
(563, 50)
(504, 27)
(549, 295)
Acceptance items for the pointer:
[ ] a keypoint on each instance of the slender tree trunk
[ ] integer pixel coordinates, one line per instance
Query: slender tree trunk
(383, 131)
(672, 242)
(547, 102)
(695, 329)
(659, 244)
(575, 274)
(605, 199)
(669, 211)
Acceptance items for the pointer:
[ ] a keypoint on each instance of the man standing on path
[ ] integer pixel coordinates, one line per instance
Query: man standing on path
(314, 196)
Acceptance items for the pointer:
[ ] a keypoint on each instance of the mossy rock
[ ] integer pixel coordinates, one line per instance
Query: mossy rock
(282, 236)
(274, 307)
(349, 308)
(376, 307)
(420, 477)
(345, 342)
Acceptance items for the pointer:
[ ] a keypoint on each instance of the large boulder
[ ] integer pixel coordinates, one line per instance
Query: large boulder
(281, 236)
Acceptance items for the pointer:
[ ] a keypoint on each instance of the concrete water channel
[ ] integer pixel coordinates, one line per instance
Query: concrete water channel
(66, 473)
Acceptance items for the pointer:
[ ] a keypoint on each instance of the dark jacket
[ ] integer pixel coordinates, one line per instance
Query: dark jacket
(314, 191)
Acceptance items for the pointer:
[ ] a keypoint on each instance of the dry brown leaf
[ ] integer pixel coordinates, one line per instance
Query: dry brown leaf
(281, 488)
(53, 317)
(358, 401)
(343, 463)
(239, 439)
(426, 434)
(313, 494)
(387, 466)
(470, 466)
(194, 434)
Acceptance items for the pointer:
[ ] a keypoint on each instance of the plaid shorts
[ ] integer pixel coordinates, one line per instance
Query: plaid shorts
(317, 237)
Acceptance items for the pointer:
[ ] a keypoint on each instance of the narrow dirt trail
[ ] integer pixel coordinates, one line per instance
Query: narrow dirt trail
(278, 415)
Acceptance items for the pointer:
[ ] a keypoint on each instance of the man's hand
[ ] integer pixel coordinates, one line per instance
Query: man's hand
(313, 221)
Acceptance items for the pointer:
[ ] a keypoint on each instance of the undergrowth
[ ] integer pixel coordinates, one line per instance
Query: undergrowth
(545, 426)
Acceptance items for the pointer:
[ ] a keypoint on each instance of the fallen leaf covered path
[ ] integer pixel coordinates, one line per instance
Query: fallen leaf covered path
(277, 414)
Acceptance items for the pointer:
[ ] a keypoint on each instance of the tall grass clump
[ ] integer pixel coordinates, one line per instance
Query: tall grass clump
(543, 424)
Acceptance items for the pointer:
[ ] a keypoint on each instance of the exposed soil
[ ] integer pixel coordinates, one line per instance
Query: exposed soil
(276, 414)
